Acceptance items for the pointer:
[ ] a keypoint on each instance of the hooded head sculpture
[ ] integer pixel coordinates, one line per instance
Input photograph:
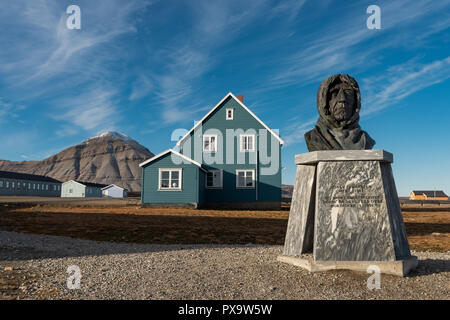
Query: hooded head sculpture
(338, 103)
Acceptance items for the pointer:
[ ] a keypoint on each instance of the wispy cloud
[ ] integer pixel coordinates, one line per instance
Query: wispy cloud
(141, 87)
(214, 25)
(402, 80)
(346, 47)
(55, 63)
(9, 110)
(92, 111)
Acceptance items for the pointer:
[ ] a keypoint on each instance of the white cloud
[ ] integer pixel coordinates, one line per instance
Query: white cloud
(92, 111)
(141, 87)
(343, 45)
(402, 80)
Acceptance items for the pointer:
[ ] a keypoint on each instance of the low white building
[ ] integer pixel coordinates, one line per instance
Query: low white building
(79, 189)
(113, 191)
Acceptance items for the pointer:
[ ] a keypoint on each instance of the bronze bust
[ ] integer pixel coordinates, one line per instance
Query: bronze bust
(338, 103)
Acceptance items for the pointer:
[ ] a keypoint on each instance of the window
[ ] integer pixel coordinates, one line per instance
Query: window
(7, 184)
(38, 186)
(169, 179)
(247, 143)
(34, 186)
(29, 186)
(230, 114)
(245, 179)
(18, 185)
(46, 187)
(210, 143)
(12, 185)
(214, 179)
(70, 190)
(1, 183)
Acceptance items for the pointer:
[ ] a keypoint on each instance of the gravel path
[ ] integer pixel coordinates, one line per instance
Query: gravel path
(135, 271)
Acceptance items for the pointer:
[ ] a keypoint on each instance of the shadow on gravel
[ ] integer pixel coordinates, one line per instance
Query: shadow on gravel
(18, 246)
(430, 266)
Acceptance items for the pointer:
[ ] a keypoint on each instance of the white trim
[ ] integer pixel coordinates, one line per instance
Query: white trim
(253, 142)
(232, 113)
(75, 182)
(215, 142)
(217, 105)
(221, 179)
(180, 179)
(113, 185)
(172, 151)
(253, 178)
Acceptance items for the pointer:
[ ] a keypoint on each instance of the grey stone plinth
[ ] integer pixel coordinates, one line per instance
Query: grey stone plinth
(300, 230)
(343, 155)
(357, 215)
(345, 208)
(398, 267)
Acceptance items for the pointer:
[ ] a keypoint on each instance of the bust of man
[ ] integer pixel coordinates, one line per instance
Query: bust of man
(338, 103)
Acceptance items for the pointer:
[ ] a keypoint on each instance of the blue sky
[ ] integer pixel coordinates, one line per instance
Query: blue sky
(145, 68)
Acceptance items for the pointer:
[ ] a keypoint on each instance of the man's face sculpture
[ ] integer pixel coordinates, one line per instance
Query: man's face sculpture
(341, 101)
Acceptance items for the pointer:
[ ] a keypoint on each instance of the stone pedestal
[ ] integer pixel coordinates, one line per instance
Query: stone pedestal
(345, 210)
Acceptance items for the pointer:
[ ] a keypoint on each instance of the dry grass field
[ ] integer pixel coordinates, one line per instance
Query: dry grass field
(427, 229)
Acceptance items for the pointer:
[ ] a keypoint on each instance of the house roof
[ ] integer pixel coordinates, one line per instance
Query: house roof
(26, 176)
(174, 152)
(243, 105)
(89, 184)
(113, 185)
(430, 193)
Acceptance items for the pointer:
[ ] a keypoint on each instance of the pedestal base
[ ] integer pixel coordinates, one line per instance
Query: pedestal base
(397, 268)
(345, 211)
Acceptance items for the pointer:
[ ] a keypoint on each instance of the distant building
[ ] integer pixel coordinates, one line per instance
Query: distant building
(24, 184)
(80, 189)
(113, 191)
(428, 195)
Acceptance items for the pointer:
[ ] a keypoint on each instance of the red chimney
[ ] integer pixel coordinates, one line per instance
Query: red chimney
(241, 98)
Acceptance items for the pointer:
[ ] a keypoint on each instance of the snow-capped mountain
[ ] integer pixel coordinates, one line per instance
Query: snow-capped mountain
(111, 157)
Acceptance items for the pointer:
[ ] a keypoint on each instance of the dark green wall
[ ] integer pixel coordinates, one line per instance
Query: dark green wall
(269, 186)
(189, 183)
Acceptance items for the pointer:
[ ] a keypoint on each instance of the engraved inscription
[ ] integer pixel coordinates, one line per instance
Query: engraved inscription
(352, 197)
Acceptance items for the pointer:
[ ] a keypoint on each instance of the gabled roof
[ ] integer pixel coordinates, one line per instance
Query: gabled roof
(113, 185)
(26, 176)
(88, 184)
(174, 152)
(430, 193)
(243, 106)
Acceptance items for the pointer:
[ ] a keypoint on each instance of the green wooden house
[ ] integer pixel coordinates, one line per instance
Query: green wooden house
(229, 159)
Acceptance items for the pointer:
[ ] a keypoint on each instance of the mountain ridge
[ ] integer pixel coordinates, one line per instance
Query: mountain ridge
(108, 158)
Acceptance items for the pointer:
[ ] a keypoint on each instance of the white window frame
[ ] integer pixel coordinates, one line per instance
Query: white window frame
(215, 142)
(232, 113)
(180, 178)
(221, 180)
(241, 138)
(253, 179)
